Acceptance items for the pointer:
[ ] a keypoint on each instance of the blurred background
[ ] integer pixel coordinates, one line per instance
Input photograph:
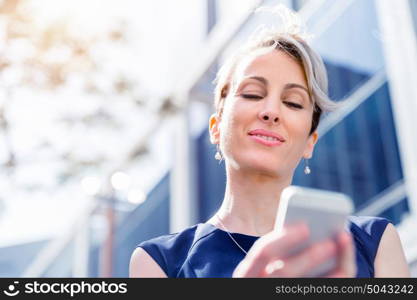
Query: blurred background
(104, 109)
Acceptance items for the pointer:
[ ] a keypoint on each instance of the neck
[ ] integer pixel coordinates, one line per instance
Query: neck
(250, 203)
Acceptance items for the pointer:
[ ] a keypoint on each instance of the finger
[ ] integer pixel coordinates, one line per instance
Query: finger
(347, 263)
(335, 274)
(275, 244)
(269, 248)
(301, 264)
(347, 259)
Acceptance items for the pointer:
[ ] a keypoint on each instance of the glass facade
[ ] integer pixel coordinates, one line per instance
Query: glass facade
(359, 156)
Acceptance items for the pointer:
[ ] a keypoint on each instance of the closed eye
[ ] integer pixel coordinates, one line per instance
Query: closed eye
(293, 105)
(251, 96)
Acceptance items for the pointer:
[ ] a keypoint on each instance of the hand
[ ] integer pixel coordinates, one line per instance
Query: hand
(347, 261)
(269, 255)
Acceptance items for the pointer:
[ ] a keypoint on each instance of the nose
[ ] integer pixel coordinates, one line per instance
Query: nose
(268, 116)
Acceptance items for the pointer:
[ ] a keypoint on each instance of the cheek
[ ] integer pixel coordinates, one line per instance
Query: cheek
(232, 125)
(226, 124)
(299, 123)
(298, 129)
(230, 116)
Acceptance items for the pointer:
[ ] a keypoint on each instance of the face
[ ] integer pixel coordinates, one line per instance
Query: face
(267, 116)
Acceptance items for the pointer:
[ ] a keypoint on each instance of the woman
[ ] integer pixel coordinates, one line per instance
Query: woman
(268, 100)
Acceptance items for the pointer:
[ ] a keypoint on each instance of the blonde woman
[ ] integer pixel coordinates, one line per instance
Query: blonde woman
(268, 100)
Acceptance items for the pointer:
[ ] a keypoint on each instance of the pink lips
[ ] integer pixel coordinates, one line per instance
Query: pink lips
(278, 140)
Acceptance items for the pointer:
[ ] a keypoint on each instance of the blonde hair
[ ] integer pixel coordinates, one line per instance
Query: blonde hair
(292, 40)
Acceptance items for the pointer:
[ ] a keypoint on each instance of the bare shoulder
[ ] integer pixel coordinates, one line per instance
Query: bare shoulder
(143, 265)
(390, 259)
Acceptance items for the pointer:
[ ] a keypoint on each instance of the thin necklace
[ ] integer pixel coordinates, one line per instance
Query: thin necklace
(224, 227)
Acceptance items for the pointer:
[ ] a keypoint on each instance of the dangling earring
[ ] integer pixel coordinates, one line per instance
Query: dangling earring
(307, 169)
(218, 155)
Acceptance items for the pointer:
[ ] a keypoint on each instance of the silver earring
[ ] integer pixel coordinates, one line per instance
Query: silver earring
(218, 155)
(307, 169)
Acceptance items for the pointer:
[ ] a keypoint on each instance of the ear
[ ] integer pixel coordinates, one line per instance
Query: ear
(312, 140)
(214, 123)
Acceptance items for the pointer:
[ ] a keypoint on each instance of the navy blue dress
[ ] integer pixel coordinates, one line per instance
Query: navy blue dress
(204, 250)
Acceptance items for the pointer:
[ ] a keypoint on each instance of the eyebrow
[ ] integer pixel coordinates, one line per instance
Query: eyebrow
(288, 86)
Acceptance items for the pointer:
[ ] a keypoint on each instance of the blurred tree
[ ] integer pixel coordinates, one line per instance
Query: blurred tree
(69, 98)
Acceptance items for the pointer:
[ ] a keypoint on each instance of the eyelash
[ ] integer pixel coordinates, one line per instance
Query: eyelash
(251, 96)
(256, 97)
(294, 105)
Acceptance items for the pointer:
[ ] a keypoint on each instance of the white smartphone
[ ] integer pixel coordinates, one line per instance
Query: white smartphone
(325, 213)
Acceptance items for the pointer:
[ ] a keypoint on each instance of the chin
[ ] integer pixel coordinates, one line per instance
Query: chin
(259, 164)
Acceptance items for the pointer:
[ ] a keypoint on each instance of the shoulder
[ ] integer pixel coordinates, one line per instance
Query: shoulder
(378, 240)
(170, 242)
(390, 246)
(143, 265)
(162, 255)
